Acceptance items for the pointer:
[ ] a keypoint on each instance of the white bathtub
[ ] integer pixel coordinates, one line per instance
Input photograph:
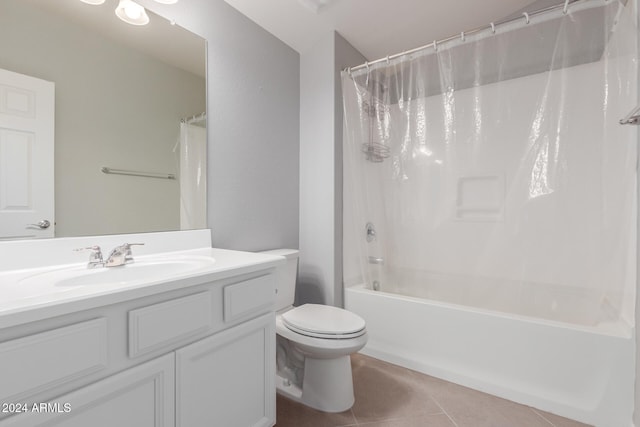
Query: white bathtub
(580, 372)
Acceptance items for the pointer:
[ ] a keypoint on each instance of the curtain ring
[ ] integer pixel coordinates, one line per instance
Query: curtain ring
(493, 28)
(349, 71)
(435, 45)
(366, 64)
(462, 36)
(387, 59)
(526, 17)
(566, 7)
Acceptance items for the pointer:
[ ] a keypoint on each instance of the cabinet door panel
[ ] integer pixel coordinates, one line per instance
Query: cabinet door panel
(228, 379)
(142, 396)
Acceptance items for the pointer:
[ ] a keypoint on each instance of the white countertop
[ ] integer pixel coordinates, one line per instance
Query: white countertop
(18, 305)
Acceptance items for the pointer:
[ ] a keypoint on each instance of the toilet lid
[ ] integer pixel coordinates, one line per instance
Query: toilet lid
(324, 321)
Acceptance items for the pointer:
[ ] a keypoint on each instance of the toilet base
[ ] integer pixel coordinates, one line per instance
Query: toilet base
(315, 371)
(288, 389)
(328, 384)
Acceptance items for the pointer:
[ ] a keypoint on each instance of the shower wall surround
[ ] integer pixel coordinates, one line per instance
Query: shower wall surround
(502, 188)
(478, 213)
(523, 183)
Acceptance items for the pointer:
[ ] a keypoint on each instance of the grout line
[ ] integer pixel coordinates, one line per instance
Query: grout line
(443, 411)
(396, 419)
(542, 416)
(353, 414)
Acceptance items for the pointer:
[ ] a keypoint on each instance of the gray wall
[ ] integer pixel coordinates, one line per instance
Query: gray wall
(320, 273)
(115, 107)
(317, 175)
(253, 126)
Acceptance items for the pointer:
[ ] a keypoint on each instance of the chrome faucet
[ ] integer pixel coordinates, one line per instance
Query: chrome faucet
(121, 255)
(95, 258)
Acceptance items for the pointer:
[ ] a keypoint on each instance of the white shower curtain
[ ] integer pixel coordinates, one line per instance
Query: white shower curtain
(494, 169)
(193, 176)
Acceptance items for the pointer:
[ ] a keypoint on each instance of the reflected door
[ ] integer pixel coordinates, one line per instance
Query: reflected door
(26, 156)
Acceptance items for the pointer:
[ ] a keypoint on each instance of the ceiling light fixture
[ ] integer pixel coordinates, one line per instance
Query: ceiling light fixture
(132, 13)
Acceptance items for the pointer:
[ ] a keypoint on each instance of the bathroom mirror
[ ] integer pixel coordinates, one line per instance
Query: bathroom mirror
(121, 93)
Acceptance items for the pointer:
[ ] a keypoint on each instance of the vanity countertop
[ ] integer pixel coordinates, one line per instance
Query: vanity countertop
(32, 294)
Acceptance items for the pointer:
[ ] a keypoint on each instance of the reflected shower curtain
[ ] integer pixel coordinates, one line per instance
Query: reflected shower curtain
(193, 176)
(493, 171)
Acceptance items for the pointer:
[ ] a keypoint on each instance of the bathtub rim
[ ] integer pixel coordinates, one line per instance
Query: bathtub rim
(619, 329)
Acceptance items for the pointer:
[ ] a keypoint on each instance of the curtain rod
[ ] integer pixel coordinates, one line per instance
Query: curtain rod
(128, 172)
(195, 118)
(492, 26)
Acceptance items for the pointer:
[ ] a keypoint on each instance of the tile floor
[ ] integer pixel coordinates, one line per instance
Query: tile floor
(391, 396)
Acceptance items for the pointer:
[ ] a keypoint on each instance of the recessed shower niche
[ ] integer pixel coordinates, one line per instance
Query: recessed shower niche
(480, 198)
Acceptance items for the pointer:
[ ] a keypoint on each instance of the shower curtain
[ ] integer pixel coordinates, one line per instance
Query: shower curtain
(492, 171)
(193, 176)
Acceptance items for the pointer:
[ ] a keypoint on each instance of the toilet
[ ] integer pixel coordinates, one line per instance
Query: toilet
(314, 344)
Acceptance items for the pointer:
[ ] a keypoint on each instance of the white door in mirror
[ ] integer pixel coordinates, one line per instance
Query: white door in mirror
(26, 156)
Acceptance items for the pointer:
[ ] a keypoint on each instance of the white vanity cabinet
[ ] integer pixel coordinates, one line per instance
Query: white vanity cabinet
(227, 379)
(201, 355)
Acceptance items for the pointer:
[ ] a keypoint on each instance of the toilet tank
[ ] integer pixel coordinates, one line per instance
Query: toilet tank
(285, 277)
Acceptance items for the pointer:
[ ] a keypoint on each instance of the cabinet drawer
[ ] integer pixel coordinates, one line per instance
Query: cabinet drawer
(36, 363)
(168, 323)
(253, 296)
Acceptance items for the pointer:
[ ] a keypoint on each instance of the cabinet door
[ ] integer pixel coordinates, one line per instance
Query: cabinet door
(142, 396)
(228, 379)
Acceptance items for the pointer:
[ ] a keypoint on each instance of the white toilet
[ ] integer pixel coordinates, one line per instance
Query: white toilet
(314, 344)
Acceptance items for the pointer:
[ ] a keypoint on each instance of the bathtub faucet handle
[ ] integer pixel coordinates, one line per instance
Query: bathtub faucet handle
(371, 232)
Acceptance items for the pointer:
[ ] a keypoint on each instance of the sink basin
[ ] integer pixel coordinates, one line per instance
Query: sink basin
(150, 269)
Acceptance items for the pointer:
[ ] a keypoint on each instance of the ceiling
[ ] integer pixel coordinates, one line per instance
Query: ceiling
(168, 43)
(376, 28)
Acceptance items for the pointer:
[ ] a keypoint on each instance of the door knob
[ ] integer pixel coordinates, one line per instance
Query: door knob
(44, 224)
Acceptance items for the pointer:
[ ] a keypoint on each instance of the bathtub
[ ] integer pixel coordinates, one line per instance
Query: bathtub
(582, 372)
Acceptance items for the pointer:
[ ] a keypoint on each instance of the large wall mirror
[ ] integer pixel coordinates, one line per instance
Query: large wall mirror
(128, 100)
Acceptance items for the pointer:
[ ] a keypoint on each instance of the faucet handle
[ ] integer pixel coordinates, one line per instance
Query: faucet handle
(133, 244)
(95, 258)
(127, 249)
(121, 255)
(95, 250)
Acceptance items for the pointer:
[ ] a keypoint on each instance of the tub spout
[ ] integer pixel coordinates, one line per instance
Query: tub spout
(376, 260)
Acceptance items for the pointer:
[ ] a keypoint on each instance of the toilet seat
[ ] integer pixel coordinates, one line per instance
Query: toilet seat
(323, 321)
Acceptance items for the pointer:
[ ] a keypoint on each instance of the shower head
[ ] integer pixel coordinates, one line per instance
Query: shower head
(375, 152)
